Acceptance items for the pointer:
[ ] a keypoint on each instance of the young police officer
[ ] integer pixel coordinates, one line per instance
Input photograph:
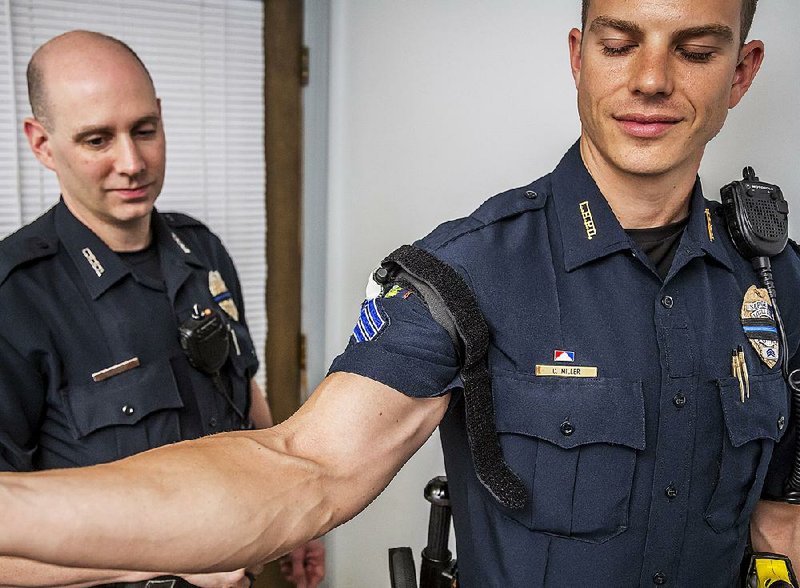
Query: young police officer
(613, 297)
(94, 292)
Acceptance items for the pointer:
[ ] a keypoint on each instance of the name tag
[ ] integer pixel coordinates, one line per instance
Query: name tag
(564, 371)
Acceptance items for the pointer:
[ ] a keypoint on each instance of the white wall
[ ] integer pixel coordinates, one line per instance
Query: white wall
(435, 105)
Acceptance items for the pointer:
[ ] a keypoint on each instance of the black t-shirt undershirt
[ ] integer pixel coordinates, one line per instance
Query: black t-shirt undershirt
(145, 262)
(659, 243)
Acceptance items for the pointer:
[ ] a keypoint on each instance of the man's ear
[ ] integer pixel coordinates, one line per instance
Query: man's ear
(39, 141)
(750, 57)
(575, 38)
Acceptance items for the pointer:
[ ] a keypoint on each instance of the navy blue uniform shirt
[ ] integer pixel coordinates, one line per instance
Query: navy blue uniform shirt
(70, 307)
(643, 474)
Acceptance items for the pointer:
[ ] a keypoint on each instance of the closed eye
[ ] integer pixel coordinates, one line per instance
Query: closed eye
(696, 56)
(613, 50)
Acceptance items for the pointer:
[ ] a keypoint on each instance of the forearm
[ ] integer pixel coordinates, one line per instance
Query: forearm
(775, 528)
(221, 502)
(24, 573)
(160, 492)
(260, 413)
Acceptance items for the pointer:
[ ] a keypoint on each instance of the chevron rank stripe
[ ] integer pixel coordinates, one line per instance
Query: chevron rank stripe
(370, 322)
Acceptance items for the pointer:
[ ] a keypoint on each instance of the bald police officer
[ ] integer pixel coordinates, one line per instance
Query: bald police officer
(94, 292)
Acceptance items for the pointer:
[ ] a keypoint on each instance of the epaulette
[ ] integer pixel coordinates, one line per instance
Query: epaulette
(513, 202)
(504, 205)
(27, 244)
(179, 219)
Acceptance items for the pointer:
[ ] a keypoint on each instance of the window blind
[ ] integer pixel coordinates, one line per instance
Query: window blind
(206, 58)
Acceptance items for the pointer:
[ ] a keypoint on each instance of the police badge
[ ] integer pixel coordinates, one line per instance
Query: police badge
(758, 322)
(218, 289)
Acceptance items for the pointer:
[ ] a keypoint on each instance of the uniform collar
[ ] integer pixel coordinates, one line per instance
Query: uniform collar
(704, 233)
(172, 248)
(590, 230)
(176, 256)
(99, 267)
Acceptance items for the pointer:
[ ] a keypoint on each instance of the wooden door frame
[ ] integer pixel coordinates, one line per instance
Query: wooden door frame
(283, 45)
(283, 71)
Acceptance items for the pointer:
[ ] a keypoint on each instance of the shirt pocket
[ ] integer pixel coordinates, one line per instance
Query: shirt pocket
(574, 444)
(126, 414)
(752, 429)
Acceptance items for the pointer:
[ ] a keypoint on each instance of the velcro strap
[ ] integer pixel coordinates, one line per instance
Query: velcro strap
(454, 306)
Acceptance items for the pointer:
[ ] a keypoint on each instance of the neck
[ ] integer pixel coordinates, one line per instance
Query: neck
(133, 235)
(641, 201)
(122, 240)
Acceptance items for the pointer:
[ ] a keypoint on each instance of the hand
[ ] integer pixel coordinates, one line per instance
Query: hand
(305, 566)
(236, 579)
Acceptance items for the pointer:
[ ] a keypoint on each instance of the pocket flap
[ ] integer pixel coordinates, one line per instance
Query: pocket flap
(124, 399)
(764, 415)
(570, 412)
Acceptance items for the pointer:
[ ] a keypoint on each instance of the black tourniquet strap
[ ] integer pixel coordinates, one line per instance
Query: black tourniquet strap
(453, 305)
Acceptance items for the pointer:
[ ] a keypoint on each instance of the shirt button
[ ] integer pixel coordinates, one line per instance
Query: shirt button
(679, 400)
(671, 491)
(781, 422)
(127, 410)
(567, 429)
(667, 302)
(531, 195)
(213, 422)
(659, 578)
(39, 243)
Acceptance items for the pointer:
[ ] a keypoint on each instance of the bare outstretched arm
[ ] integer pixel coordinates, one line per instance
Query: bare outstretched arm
(227, 501)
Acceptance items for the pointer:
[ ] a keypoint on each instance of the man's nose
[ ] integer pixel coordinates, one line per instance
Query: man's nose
(129, 160)
(652, 73)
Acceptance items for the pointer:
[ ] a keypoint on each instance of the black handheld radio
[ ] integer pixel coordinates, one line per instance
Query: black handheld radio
(205, 338)
(757, 216)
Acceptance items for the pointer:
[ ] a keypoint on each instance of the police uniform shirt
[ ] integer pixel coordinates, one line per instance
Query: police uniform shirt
(72, 308)
(613, 391)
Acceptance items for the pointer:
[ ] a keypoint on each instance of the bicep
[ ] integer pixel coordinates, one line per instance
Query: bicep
(362, 430)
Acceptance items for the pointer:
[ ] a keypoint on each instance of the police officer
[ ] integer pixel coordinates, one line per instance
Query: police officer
(613, 298)
(95, 292)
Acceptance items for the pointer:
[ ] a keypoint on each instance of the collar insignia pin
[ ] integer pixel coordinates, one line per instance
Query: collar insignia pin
(588, 221)
(710, 226)
(180, 243)
(93, 261)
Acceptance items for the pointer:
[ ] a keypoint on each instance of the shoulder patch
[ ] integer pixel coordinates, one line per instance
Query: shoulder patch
(34, 241)
(179, 219)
